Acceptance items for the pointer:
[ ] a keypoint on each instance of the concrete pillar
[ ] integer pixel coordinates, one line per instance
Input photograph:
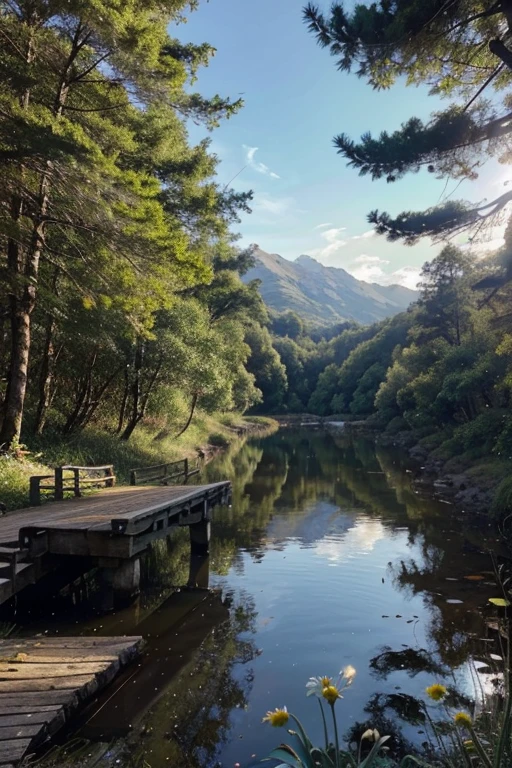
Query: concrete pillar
(200, 538)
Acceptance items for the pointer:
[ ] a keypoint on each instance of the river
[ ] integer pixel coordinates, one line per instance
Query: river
(327, 557)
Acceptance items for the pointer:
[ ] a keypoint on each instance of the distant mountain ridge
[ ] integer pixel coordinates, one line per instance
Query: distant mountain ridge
(324, 294)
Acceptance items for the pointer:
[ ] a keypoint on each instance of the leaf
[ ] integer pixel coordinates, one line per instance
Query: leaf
(475, 578)
(370, 760)
(320, 757)
(499, 601)
(288, 755)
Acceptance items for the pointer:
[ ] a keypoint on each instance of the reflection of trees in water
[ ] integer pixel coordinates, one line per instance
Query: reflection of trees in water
(189, 724)
(409, 660)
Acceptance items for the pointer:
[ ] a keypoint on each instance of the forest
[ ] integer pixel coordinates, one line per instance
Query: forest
(121, 294)
(120, 290)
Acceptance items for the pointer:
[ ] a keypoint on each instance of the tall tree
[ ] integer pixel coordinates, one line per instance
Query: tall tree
(462, 50)
(445, 298)
(86, 88)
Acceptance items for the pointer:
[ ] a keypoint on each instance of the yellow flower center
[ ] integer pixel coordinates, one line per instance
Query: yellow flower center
(330, 693)
(326, 681)
(277, 719)
(436, 691)
(463, 720)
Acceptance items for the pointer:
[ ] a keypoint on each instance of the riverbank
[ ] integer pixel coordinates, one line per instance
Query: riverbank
(206, 436)
(476, 485)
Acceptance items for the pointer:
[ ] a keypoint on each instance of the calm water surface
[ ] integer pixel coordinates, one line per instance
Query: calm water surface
(327, 557)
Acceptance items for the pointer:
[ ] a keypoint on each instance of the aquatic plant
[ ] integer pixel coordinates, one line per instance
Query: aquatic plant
(458, 739)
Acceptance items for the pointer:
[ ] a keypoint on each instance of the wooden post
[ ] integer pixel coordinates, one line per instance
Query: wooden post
(166, 472)
(133, 479)
(185, 467)
(59, 484)
(110, 474)
(199, 572)
(200, 538)
(76, 482)
(126, 580)
(35, 492)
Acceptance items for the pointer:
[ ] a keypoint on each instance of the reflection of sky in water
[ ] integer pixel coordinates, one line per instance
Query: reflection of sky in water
(359, 540)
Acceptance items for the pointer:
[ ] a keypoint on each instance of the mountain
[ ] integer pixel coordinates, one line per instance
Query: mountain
(321, 294)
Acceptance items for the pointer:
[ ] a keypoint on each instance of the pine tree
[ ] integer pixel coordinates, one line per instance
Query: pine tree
(462, 51)
(92, 145)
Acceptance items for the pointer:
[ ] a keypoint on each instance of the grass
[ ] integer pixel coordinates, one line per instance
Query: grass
(96, 446)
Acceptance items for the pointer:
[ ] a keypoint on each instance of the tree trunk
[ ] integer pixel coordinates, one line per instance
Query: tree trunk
(95, 400)
(47, 373)
(26, 265)
(191, 414)
(140, 400)
(136, 391)
(124, 401)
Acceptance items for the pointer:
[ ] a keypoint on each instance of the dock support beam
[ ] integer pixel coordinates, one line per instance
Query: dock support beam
(199, 572)
(126, 581)
(200, 538)
(120, 585)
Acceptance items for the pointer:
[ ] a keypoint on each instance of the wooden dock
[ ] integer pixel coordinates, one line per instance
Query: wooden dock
(43, 680)
(110, 529)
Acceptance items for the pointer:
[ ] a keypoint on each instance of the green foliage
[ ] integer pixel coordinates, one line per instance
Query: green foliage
(458, 50)
(107, 215)
(288, 324)
(502, 501)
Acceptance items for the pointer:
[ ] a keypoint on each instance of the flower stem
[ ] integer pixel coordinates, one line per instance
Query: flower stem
(336, 739)
(325, 725)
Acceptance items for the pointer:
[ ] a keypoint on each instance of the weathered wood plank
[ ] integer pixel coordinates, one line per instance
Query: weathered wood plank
(28, 671)
(33, 698)
(52, 654)
(74, 682)
(13, 750)
(47, 679)
(29, 709)
(27, 731)
(64, 643)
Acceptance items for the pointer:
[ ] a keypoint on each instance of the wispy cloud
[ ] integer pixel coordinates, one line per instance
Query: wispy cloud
(365, 236)
(364, 258)
(276, 206)
(334, 239)
(256, 165)
(321, 226)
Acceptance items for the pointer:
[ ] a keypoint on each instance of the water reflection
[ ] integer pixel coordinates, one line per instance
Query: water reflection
(327, 556)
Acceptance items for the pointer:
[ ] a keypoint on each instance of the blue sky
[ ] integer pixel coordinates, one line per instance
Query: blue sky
(306, 200)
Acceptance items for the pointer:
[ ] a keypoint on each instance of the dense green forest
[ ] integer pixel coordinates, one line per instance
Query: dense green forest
(121, 299)
(120, 290)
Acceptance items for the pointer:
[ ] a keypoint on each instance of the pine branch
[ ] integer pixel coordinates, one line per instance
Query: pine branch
(501, 51)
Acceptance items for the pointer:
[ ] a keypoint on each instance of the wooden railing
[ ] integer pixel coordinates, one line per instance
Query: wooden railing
(74, 481)
(163, 473)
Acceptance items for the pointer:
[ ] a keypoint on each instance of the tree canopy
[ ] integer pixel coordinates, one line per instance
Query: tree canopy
(460, 50)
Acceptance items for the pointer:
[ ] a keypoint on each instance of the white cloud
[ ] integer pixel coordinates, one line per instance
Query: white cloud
(370, 269)
(334, 240)
(365, 236)
(256, 165)
(321, 226)
(365, 259)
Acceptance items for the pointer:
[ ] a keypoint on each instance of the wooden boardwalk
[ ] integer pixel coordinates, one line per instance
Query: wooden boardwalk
(108, 527)
(44, 680)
